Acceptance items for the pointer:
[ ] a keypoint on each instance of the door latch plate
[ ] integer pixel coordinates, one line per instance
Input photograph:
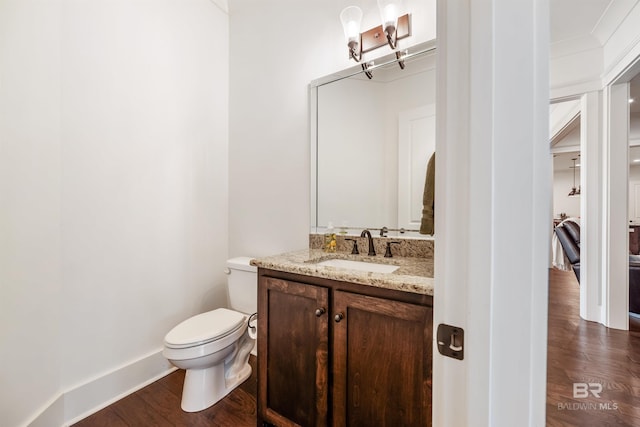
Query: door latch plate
(450, 341)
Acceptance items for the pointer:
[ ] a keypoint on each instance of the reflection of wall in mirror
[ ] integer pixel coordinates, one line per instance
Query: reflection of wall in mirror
(358, 169)
(416, 144)
(350, 153)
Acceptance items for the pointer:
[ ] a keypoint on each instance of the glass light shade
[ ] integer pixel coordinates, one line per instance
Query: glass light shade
(389, 12)
(351, 18)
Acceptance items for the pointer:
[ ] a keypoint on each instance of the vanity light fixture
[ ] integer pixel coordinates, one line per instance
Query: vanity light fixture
(389, 16)
(574, 191)
(393, 28)
(351, 18)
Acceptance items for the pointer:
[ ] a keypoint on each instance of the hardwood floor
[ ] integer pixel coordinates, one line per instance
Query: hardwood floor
(579, 352)
(158, 405)
(587, 352)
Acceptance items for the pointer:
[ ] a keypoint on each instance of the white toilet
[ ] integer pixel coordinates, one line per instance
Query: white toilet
(214, 346)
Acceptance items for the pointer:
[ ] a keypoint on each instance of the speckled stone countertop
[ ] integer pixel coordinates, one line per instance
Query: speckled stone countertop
(413, 275)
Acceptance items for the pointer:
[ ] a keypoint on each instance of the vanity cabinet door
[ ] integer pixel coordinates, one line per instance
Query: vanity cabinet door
(292, 353)
(381, 362)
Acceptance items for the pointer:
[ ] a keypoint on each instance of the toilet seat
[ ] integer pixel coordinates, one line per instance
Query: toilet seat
(205, 328)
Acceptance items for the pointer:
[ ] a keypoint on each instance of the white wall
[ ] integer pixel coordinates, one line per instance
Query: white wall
(562, 183)
(145, 166)
(114, 163)
(563, 180)
(30, 235)
(269, 124)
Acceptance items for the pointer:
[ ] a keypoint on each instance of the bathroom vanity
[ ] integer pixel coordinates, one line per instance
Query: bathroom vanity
(344, 345)
(346, 340)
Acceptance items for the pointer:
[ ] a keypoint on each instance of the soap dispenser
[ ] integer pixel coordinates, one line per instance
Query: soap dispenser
(330, 243)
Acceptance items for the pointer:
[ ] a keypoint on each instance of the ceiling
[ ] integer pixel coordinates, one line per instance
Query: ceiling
(566, 24)
(578, 25)
(586, 23)
(562, 161)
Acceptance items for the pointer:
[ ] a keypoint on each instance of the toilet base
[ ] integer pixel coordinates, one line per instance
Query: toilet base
(204, 387)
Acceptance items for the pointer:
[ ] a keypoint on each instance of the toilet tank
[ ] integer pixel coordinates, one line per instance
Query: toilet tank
(242, 283)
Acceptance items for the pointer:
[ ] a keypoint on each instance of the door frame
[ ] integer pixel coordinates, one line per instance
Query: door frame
(491, 265)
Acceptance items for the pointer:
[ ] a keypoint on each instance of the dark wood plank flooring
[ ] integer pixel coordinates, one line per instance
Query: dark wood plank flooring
(587, 352)
(579, 351)
(158, 405)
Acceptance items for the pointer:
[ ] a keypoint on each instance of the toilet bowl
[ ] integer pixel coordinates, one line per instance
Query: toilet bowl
(214, 347)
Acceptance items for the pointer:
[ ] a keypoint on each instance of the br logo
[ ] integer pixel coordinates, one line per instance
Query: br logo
(582, 390)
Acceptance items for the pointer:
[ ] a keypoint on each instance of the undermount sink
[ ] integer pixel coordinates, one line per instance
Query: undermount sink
(359, 265)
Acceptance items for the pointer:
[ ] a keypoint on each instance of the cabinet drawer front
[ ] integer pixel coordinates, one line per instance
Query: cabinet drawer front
(293, 351)
(382, 362)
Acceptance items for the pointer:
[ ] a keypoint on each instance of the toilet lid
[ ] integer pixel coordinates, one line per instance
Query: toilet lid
(204, 327)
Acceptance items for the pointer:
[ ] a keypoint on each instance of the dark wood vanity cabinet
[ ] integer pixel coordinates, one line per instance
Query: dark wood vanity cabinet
(381, 362)
(292, 353)
(339, 354)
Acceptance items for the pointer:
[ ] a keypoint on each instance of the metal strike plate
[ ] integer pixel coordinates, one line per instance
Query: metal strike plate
(450, 341)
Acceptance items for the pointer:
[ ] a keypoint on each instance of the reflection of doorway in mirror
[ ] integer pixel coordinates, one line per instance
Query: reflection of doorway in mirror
(634, 202)
(416, 144)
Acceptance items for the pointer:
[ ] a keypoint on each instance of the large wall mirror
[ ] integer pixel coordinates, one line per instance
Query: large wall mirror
(371, 140)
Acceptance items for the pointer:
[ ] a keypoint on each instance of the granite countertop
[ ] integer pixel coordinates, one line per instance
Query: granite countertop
(413, 275)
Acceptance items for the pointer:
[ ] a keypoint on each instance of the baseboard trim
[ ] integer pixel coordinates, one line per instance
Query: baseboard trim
(88, 398)
(52, 414)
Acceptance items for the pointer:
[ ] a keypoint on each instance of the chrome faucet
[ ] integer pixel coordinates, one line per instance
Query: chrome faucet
(367, 234)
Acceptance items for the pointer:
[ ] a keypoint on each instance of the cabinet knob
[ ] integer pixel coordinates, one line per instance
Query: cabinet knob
(338, 317)
(320, 311)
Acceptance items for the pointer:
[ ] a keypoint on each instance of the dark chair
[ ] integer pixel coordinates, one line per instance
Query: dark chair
(569, 236)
